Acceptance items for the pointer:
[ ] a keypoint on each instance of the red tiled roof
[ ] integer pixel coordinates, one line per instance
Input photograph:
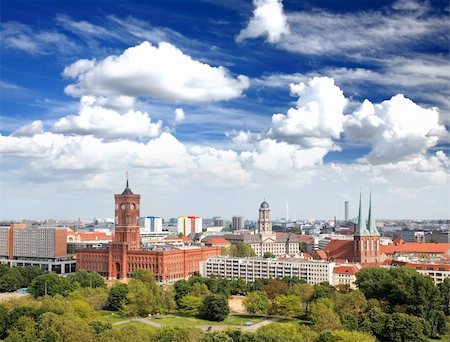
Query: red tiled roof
(305, 238)
(91, 235)
(423, 266)
(320, 254)
(340, 249)
(346, 269)
(217, 241)
(398, 241)
(414, 247)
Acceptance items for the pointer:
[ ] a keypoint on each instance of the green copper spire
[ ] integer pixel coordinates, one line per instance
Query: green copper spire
(361, 229)
(372, 226)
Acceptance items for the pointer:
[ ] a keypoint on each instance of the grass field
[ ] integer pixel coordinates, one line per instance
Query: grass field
(111, 317)
(193, 321)
(138, 325)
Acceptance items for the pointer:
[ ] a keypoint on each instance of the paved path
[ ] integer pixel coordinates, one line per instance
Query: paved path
(141, 320)
(251, 328)
(254, 327)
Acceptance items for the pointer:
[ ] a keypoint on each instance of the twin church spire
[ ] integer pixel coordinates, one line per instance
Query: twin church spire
(361, 228)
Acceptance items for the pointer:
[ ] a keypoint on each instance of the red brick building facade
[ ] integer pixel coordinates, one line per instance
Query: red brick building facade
(124, 254)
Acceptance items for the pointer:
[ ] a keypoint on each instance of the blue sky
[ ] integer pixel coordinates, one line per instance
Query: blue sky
(212, 106)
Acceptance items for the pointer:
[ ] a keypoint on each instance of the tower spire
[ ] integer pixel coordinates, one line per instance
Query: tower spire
(372, 228)
(361, 229)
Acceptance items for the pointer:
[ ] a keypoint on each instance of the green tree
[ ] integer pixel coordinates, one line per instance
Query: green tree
(275, 287)
(97, 298)
(406, 291)
(49, 284)
(166, 301)
(182, 288)
(287, 305)
(199, 290)
(3, 321)
(401, 327)
(303, 291)
(214, 308)
(240, 250)
(285, 332)
(218, 336)
(444, 289)
(179, 334)
(323, 316)
(349, 336)
(29, 273)
(269, 255)
(142, 301)
(191, 304)
(117, 296)
(83, 310)
(24, 330)
(257, 302)
(352, 303)
(323, 290)
(86, 279)
(12, 280)
(238, 287)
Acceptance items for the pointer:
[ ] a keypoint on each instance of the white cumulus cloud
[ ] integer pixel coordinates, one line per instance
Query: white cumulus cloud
(397, 129)
(36, 127)
(107, 123)
(268, 20)
(162, 72)
(179, 114)
(318, 118)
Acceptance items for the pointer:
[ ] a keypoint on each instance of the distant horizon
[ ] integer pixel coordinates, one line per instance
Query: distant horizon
(210, 107)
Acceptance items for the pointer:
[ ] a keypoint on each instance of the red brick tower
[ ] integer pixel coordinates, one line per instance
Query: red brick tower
(126, 236)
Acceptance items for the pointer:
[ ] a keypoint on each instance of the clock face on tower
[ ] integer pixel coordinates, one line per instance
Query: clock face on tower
(123, 206)
(131, 206)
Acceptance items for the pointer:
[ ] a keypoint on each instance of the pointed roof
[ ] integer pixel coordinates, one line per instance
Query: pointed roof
(127, 190)
(361, 229)
(372, 228)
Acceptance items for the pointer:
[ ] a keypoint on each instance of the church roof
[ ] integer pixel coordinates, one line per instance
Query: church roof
(127, 190)
(264, 205)
(340, 250)
(361, 229)
(372, 227)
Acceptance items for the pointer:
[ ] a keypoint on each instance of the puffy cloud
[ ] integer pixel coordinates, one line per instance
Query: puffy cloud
(179, 114)
(271, 155)
(318, 118)
(102, 122)
(36, 127)
(163, 72)
(268, 19)
(397, 129)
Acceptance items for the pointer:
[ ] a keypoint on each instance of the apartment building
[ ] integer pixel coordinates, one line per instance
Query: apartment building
(250, 269)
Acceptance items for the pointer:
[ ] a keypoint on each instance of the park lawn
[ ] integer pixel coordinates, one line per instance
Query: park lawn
(111, 316)
(235, 320)
(140, 326)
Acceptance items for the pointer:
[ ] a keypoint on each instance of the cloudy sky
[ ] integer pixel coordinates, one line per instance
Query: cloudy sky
(213, 106)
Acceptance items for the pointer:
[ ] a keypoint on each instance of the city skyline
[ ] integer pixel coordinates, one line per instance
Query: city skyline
(213, 107)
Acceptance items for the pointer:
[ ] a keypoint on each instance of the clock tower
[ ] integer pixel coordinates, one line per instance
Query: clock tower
(127, 232)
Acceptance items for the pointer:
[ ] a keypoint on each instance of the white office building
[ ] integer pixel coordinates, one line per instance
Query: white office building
(250, 269)
(152, 224)
(189, 224)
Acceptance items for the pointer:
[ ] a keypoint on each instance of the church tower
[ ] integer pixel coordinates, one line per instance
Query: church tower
(366, 239)
(264, 222)
(127, 232)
